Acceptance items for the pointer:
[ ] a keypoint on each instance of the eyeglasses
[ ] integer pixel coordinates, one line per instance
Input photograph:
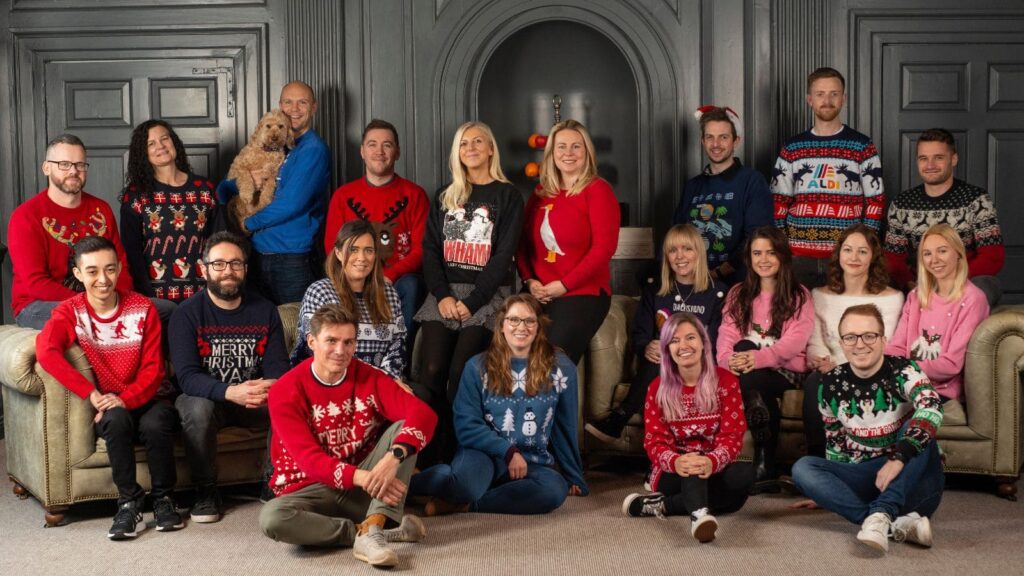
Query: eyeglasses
(221, 265)
(66, 165)
(869, 338)
(515, 321)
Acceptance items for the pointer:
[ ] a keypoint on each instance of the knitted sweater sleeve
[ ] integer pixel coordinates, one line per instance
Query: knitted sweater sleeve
(732, 422)
(659, 442)
(604, 218)
(728, 332)
(897, 244)
(966, 317)
(151, 364)
(816, 346)
(415, 216)
(396, 404)
(495, 272)
(471, 429)
(299, 187)
(57, 336)
(782, 189)
(990, 255)
(394, 357)
(874, 193)
(564, 443)
(835, 434)
(525, 247)
(899, 343)
(337, 215)
(124, 281)
(133, 239)
(27, 241)
(433, 253)
(927, 417)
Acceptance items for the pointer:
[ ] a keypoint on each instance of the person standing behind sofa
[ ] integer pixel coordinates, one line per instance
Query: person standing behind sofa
(227, 346)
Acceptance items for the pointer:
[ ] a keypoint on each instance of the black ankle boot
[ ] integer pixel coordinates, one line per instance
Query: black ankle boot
(756, 410)
(766, 477)
(609, 429)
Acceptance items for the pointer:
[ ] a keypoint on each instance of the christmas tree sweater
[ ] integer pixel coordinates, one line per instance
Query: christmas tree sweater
(40, 236)
(164, 233)
(571, 238)
(726, 208)
(823, 184)
(936, 337)
(398, 211)
(123, 349)
(786, 350)
(717, 435)
(542, 428)
(706, 306)
(863, 416)
(968, 209)
(473, 244)
(322, 431)
(213, 348)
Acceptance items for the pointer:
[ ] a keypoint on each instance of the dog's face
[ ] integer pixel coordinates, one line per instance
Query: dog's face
(273, 132)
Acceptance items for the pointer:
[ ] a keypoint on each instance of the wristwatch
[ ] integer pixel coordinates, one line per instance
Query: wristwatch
(399, 453)
(897, 455)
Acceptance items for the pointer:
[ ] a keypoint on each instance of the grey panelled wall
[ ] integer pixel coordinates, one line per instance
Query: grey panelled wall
(803, 42)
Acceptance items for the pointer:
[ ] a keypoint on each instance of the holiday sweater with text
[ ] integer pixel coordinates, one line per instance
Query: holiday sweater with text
(40, 237)
(968, 209)
(398, 211)
(863, 416)
(823, 184)
(936, 338)
(785, 350)
(323, 431)
(717, 435)
(706, 306)
(542, 428)
(164, 233)
(571, 239)
(123, 350)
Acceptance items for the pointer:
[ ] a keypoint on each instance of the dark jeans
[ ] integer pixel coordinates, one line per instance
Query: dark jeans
(282, 278)
(646, 371)
(35, 314)
(154, 424)
(721, 493)
(574, 321)
(412, 291)
(814, 426)
(201, 418)
(483, 482)
(811, 272)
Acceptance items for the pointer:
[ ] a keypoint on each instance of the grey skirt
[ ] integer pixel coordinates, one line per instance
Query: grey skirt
(483, 317)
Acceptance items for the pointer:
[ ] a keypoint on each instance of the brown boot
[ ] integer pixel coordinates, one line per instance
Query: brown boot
(438, 507)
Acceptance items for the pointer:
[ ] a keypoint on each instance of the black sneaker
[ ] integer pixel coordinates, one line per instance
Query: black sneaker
(609, 430)
(166, 515)
(207, 507)
(127, 522)
(266, 493)
(643, 505)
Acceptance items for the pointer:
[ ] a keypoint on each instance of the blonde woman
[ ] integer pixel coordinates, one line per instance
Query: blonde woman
(471, 237)
(570, 233)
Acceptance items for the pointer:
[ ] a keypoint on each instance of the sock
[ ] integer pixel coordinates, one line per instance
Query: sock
(372, 519)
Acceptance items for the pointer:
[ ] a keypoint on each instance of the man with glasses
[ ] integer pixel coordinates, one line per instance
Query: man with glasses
(882, 468)
(227, 346)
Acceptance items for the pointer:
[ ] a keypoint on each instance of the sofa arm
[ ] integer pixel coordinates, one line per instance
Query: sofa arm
(607, 356)
(995, 356)
(18, 360)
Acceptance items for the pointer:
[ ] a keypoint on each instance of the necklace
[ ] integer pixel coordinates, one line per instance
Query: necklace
(679, 297)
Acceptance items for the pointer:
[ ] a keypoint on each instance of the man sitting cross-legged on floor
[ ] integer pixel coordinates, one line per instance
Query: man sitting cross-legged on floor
(881, 414)
(120, 334)
(328, 416)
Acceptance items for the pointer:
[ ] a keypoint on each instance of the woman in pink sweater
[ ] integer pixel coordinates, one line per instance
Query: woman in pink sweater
(941, 313)
(767, 321)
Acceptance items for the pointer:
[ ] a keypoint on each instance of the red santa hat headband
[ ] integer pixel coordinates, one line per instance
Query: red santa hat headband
(733, 116)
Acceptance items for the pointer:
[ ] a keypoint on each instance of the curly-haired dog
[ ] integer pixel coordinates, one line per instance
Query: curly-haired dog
(265, 151)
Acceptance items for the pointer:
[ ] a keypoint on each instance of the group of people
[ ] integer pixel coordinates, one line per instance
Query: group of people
(762, 289)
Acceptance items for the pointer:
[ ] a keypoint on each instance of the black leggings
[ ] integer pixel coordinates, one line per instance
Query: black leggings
(721, 493)
(769, 383)
(814, 426)
(574, 321)
(646, 371)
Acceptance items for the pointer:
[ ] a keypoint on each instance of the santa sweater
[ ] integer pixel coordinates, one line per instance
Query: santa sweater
(968, 209)
(582, 233)
(473, 244)
(786, 350)
(863, 416)
(323, 431)
(213, 348)
(164, 233)
(40, 237)
(717, 434)
(823, 184)
(123, 350)
(936, 338)
(542, 427)
(726, 208)
(828, 310)
(399, 211)
(706, 306)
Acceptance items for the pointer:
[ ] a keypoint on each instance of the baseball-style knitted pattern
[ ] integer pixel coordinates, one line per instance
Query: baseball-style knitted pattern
(717, 435)
(823, 184)
(123, 350)
(322, 431)
(863, 417)
(968, 209)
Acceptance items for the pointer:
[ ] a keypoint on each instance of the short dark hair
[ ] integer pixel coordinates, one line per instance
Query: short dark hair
(864, 310)
(824, 72)
(717, 115)
(938, 135)
(378, 124)
(229, 238)
(330, 314)
(69, 139)
(91, 244)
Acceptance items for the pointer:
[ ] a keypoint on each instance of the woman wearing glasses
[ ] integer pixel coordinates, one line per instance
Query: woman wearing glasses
(515, 416)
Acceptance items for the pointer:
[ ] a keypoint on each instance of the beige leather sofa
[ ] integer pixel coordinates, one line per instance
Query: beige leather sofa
(52, 450)
(986, 439)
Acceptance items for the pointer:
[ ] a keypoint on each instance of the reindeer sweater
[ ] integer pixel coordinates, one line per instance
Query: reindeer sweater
(863, 416)
(823, 184)
(40, 236)
(164, 233)
(786, 350)
(936, 338)
(400, 206)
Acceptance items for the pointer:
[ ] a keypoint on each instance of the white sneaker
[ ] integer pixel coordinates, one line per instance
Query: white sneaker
(410, 530)
(703, 525)
(372, 548)
(913, 528)
(875, 531)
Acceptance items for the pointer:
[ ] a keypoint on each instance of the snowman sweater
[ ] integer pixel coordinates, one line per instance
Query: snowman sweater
(322, 432)
(863, 416)
(717, 434)
(936, 338)
(786, 350)
(542, 428)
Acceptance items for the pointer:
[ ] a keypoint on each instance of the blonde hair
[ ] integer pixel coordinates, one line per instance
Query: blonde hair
(456, 194)
(927, 284)
(551, 178)
(682, 235)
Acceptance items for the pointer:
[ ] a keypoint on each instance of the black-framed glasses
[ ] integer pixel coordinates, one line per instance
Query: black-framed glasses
(515, 321)
(66, 165)
(869, 338)
(222, 265)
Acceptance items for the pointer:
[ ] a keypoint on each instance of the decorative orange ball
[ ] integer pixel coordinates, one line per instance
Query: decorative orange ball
(532, 170)
(537, 140)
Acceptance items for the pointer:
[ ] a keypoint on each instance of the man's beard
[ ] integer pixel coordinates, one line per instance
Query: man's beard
(217, 289)
(827, 114)
(71, 191)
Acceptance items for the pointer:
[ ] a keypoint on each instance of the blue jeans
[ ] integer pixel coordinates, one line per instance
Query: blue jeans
(36, 313)
(476, 479)
(283, 278)
(849, 489)
(411, 293)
